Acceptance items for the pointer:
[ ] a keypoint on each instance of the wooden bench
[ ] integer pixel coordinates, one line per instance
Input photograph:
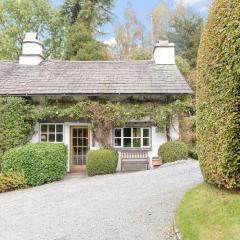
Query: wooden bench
(134, 157)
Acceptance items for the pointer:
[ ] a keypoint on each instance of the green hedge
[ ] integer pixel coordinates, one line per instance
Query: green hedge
(12, 181)
(101, 162)
(15, 126)
(173, 151)
(218, 97)
(40, 163)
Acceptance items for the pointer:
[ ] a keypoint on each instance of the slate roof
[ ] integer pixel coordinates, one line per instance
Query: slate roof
(91, 78)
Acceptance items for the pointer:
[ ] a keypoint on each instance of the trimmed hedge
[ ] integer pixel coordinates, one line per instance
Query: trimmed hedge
(173, 151)
(15, 126)
(102, 161)
(12, 181)
(218, 96)
(41, 163)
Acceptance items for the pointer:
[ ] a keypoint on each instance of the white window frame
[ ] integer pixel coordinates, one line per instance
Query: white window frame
(122, 138)
(48, 124)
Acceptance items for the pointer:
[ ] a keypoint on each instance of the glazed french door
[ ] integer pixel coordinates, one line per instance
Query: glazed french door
(80, 144)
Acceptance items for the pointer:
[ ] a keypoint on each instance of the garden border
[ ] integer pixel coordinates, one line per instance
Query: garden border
(175, 229)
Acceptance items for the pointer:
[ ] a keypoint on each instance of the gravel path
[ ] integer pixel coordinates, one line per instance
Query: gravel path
(127, 206)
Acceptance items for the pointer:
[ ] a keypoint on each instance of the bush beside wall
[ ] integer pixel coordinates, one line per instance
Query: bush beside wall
(101, 162)
(218, 96)
(12, 181)
(173, 151)
(15, 126)
(40, 163)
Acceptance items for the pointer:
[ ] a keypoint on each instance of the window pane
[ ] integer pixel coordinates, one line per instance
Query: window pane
(52, 128)
(137, 132)
(44, 128)
(59, 137)
(145, 132)
(137, 142)
(43, 137)
(85, 141)
(117, 142)
(118, 132)
(84, 151)
(74, 141)
(146, 142)
(80, 132)
(74, 151)
(75, 159)
(80, 141)
(85, 132)
(75, 132)
(127, 132)
(51, 138)
(127, 142)
(60, 128)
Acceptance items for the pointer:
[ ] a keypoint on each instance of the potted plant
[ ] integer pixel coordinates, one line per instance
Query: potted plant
(156, 161)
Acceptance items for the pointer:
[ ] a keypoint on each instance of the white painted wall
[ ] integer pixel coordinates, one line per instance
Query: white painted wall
(174, 129)
(35, 137)
(156, 140)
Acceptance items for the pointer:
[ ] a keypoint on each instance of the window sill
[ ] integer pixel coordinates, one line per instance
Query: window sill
(141, 149)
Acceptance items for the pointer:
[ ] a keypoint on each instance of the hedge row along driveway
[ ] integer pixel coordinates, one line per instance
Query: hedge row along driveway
(128, 206)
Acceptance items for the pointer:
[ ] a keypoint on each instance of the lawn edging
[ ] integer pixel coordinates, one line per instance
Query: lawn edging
(175, 228)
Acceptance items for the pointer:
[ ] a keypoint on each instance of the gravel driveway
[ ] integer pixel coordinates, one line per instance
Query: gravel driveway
(125, 206)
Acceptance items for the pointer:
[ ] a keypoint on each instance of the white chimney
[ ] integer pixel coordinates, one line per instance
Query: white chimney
(32, 50)
(164, 53)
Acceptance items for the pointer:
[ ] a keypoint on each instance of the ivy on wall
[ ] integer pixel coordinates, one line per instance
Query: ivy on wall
(104, 115)
(18, 116)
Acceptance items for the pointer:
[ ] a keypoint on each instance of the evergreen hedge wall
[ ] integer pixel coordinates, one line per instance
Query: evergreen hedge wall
(15, 126)
(218, 96)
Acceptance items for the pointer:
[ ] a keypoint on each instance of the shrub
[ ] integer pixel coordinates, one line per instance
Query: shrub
(11, 181)
(172, 151)
(101, 161)
(218, 98)
(192, 153)
(40, 163)
(15, 126)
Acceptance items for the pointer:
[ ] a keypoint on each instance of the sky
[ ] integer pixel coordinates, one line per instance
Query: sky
(143, 9)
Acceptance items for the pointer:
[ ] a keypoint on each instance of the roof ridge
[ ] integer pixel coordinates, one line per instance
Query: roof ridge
(101, 61)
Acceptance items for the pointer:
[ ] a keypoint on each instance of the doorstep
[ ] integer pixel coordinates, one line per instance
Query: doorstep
(79, 175)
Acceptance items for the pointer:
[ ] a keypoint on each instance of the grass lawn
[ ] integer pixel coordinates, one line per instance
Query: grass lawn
(208, 213)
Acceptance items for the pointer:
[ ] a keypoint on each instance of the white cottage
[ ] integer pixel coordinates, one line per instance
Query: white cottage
(34, 77)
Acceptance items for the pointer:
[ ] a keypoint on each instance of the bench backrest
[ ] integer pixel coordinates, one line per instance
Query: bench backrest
(134, 154)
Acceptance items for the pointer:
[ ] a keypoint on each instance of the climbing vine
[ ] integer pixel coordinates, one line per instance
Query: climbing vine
(18, 116)
(104, 115)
